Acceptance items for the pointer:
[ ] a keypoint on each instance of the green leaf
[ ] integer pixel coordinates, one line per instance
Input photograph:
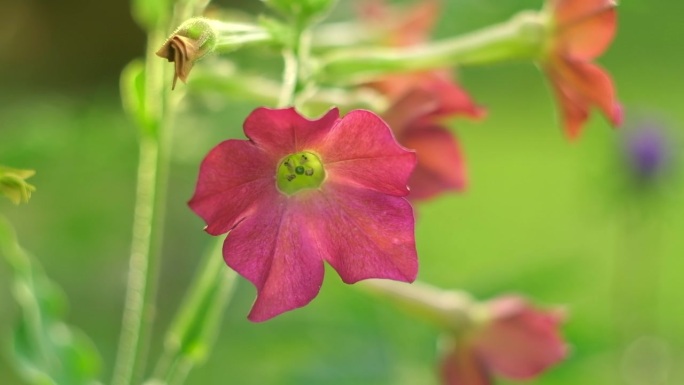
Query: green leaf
(46, 350)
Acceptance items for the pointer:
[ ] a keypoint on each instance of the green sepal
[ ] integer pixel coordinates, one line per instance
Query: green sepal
(14, 186)
(46, 351)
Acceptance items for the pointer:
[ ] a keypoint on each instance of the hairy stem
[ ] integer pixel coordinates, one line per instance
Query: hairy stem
(520, 38)
(147, 227)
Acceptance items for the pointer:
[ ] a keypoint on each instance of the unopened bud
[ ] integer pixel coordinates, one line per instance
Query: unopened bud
(13, 184)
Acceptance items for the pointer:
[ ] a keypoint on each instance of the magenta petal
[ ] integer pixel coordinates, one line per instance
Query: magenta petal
(284, 131)
(273, 250)
(226, 188)
(361, 151)
(365, 234)
(522, 341)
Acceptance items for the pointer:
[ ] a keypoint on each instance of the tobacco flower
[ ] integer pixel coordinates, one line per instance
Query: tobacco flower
(580, 31)
(518, 342)
(300, 192)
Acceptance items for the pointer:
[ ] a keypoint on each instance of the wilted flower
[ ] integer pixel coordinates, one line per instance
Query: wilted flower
(517, 342)
(190, 42)
(580, 31)
(300, 192)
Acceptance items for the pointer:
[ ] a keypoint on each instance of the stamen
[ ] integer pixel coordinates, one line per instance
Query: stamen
(299, 171)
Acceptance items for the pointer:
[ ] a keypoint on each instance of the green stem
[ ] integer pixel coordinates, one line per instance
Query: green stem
(636, 275)
(147, 229)
(290, 76)
(266, 91)
(197, 322)
(450, 310)
(520, 38)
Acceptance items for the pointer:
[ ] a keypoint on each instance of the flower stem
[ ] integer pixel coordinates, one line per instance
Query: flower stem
(196, 324)
(290, 76)
(520, 38)
(147, 229)
(297, 73)
(448, 309)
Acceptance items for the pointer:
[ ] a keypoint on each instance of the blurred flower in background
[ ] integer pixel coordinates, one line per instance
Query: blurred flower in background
(421, 101)
(581, 31)
(518, 342)
(647, 148)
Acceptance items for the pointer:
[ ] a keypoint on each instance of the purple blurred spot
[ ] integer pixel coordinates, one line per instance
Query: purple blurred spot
(647, 150)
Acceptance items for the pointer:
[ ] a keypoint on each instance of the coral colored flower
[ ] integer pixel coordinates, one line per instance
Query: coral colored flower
(518, 343)
(300, 192)
(581, 31)
(415, 117)
(419, 101)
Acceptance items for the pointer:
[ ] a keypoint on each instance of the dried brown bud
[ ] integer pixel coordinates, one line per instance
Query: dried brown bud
(191, 41)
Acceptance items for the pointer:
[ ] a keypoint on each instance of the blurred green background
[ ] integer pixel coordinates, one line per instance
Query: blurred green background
(543, 217)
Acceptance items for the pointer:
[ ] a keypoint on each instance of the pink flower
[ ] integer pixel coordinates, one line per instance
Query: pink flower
(582, 30)
(300, 192)
(518, 343)
(422, 101)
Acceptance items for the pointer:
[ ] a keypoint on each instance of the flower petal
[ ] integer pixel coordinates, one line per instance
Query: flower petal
(522, 341)
(440, 163)
(580, 85)
(273, 250)
(283, 131)
(462, 367)
(568, 12)
(574, 110)
(360, 150)
(588, 38)
(595, 86)
(227, 188)
(365, 234)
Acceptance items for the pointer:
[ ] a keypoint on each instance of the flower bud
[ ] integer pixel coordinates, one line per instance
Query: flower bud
(13, 184)
(190, 42)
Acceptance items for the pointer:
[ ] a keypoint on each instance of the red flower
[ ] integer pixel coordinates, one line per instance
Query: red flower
(423, 100)
(420, 100)
(300, 192)
(518, 343)
(581, 31)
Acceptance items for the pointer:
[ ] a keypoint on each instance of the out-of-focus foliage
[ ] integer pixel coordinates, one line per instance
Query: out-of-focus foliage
(46, 350)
